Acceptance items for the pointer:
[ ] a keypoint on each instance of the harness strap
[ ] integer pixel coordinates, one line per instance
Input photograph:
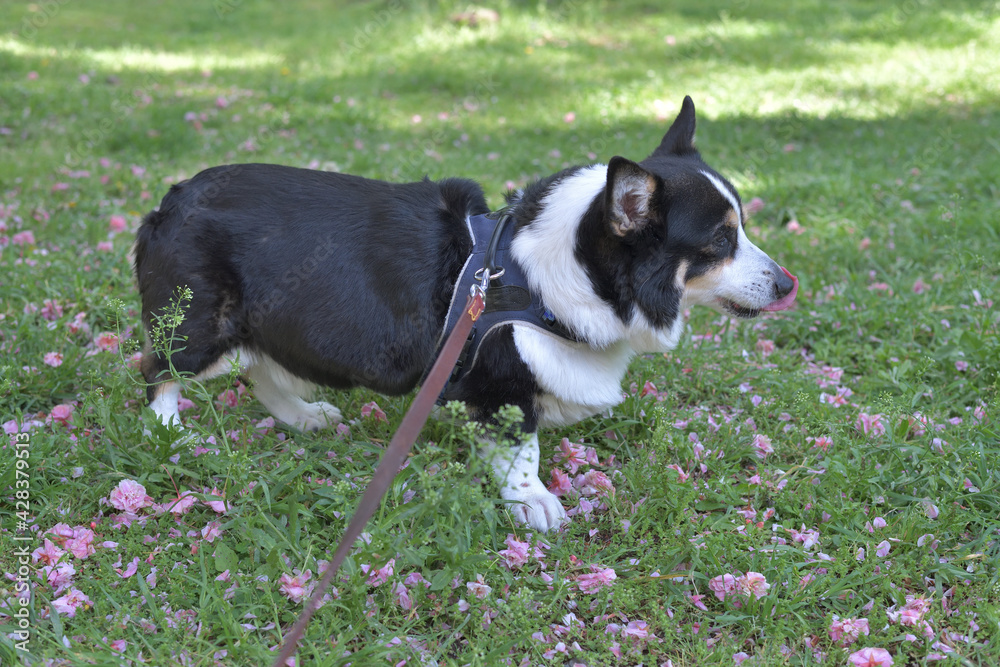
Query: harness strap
(509, 298)
(506, 298)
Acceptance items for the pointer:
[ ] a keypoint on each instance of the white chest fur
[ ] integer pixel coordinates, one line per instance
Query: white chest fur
(577, 381)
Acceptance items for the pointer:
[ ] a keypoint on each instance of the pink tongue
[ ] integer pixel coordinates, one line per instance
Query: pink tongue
(787, 300)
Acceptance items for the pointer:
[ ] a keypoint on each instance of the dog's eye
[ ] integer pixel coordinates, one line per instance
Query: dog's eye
(721, 240)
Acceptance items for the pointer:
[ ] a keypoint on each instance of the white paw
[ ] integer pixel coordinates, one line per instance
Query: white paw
(317, 415)
(536, 507)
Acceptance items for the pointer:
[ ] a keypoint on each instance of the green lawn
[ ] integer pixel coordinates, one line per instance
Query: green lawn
(869, 131)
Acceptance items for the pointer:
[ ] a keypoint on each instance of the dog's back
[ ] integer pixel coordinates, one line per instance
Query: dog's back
(275, 256)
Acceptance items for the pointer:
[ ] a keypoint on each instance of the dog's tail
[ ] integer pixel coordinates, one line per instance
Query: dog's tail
(463, 197)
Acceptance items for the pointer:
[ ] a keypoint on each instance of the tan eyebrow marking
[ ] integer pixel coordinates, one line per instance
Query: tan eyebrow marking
(732, 219)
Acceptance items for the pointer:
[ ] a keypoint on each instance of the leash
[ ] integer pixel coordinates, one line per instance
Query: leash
(394, 455)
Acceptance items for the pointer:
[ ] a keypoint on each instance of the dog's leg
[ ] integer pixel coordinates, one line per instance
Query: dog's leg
(163, 396)
(161, 393)
(516, 471)
(280, 392)
(164, 402)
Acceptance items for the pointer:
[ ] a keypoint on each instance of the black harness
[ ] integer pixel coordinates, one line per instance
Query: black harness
(508, 297)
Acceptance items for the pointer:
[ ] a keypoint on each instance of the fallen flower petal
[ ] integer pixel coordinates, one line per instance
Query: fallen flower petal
(871, 657)
(129, 496)
(596, 580)
(753, 583)
(296, 588)
(68, 604)
(722, 585)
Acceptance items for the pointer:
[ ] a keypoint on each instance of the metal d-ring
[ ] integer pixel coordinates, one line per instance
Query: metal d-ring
(484, 280)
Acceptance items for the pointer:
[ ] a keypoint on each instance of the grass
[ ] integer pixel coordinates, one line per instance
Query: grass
(868, 130)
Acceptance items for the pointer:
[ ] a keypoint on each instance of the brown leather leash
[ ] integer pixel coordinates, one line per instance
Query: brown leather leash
(393, 457)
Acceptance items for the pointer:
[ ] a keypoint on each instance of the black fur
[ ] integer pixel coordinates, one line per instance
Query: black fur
(507, 380)
(284, 260)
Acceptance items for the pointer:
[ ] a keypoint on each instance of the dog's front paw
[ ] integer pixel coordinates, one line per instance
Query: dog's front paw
(536, 508)
(317, 415)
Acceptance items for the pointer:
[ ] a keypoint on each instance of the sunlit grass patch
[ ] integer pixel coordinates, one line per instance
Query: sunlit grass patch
(145, 60)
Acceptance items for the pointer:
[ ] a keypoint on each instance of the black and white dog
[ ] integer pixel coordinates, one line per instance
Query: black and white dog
(306, 278)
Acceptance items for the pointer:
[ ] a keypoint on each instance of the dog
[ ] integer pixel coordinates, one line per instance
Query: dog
(305, 278)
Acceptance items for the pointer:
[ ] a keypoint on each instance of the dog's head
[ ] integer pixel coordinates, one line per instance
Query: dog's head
(684, 227)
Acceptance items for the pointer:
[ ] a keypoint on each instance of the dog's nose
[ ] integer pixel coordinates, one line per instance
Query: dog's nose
(783, 284)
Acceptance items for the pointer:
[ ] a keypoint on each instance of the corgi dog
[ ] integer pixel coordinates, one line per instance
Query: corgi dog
(306, 278)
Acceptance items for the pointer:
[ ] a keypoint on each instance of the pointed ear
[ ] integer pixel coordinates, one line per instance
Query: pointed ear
(629, 196)
(679, 139)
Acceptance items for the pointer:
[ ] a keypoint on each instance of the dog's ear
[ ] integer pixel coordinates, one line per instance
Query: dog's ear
(629, 196)
(679, 139)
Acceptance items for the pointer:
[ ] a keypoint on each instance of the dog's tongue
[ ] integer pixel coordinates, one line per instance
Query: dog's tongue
(787, 300)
